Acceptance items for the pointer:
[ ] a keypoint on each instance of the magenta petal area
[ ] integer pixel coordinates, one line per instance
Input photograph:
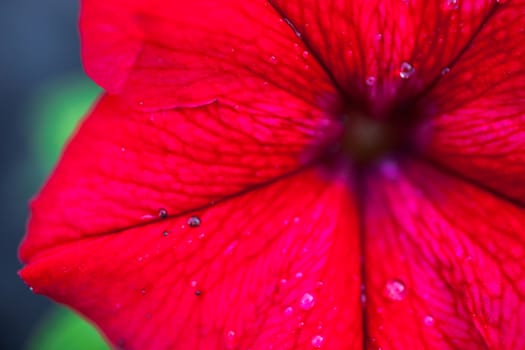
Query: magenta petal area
(382, 52)
(478, 130)
(445, 263)
(162, 54)
(275, 268)
(126, 167)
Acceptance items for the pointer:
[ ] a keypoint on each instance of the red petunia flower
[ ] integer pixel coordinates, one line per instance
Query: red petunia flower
(294, 174)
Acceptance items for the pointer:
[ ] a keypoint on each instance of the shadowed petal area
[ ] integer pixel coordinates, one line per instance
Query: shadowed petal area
(126, 167)
(451, 273)
(278, 266)
(174, 53)
(479, 130)
(386, 50)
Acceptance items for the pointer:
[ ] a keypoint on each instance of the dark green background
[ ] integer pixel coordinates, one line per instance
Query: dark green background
(43, 92)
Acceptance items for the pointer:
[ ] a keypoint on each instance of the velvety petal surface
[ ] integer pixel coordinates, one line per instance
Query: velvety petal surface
(445, 263)
(126, 167)
(175, 53)
(274, 268)
(479, 125)
(386, 51)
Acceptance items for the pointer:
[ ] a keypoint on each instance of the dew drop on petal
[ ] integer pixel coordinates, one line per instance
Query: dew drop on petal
(194, 221)
(165, 233)
(406, 70)
(288, 311)
(307, 301)
(299, 275)
(231, 339)
(445, 71)
(317, 341)
(371, 81)
(451, 4)
(273, 59)
(163, 213)
(198, 293)
(428, 320)
(395, 290)
(306, 54)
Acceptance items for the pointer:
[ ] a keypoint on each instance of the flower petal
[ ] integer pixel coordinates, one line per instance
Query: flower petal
(452, 263)
(278, 266)
(386, 51)
(124, 166)
(479, 130)
(173, 53)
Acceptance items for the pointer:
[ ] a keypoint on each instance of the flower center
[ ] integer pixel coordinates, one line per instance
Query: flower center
(367, 140)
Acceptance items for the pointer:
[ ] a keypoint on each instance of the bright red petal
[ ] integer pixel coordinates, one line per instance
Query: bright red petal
(480, 103)
(177, 53)
(275, 268)
(449, 269)
(385, 50)
(124, 166)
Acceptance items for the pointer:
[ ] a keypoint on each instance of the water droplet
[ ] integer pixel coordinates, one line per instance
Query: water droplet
(451, 4)
(428, 321)
(406, 70)
(230, 248)
(317, 341)
(202, 235)
(194, 221)
(299, 275)
(288, 311)
(307, 301)
(395, 290)
(273, 59)
(193, 283)
(363, 298)
(165, 233)
(198, 293)
(293, 27)
(371, 81)
(163, 213)
(143, 291)
(231, 339)
(445, 71)
(306, 54)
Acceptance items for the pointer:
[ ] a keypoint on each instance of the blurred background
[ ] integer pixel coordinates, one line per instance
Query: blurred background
(43, 94)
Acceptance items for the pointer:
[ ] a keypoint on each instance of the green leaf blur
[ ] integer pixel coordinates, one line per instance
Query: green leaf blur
(63, 329)
(53, 116)
(54, 113)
